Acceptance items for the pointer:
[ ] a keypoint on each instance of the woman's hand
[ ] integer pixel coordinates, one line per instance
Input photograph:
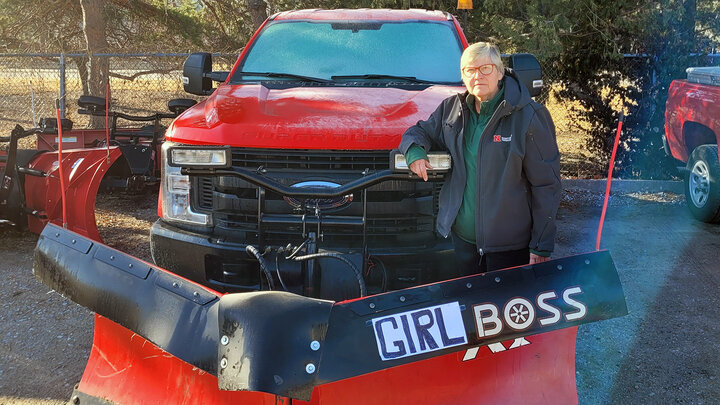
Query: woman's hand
(537, 259)
(420, 168)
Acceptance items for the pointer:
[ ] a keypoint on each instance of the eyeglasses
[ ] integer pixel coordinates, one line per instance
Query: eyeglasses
(470, 71)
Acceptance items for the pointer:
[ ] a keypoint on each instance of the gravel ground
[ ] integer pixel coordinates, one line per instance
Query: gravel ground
(45, 339)
(124, 222)
(662, 352)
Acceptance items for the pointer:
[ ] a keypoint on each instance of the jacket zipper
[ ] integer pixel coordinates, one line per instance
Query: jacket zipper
(479, 235)
(460, 151)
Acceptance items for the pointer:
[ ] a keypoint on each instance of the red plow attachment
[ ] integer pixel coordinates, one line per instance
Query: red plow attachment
(84, 170)
(127, 369)
(502, 337)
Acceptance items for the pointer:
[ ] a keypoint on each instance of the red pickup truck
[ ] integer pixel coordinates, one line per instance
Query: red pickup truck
(296, 144)
(692, 131)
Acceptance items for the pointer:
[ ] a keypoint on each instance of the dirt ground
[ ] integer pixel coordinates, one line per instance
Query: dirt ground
(664, 351)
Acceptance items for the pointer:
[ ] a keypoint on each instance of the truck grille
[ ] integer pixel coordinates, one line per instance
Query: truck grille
(311, 160)
(205, 188)
(399, 212)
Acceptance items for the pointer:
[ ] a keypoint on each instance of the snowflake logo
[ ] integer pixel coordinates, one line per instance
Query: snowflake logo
(519, 313)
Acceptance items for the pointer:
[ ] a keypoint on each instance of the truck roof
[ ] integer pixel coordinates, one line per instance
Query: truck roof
(363, 14)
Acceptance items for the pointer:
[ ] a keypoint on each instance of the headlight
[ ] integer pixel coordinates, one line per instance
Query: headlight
(175, 188)
(440, 161)
(190, 156)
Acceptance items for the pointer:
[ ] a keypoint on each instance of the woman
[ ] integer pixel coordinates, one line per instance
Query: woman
(500, 200)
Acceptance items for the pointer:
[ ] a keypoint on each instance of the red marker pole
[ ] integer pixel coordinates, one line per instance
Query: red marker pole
(609, 179)
(107, 119)
(60, 165)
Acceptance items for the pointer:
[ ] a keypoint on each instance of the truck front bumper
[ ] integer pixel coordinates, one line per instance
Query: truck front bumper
(225, 266)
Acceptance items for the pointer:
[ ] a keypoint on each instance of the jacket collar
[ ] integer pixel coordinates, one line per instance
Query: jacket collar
(516, 94)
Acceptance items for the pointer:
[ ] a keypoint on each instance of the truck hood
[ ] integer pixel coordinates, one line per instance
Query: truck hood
(307, 117)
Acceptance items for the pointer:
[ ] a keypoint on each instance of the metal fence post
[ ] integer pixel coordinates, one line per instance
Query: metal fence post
(62, 85)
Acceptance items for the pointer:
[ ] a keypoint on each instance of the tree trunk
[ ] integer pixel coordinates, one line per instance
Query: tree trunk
(258, 11)
(98, 66)
(82, 66)
(688, 23)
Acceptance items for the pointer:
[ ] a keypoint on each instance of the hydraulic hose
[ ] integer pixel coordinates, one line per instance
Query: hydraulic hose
(263, 264)
(277, 270)
(375, 262)
(358, 275)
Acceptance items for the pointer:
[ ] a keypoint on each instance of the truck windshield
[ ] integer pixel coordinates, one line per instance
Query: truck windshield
(426, 51)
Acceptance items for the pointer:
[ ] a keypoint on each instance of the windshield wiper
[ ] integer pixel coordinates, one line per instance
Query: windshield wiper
(382, 76)
(287, 75)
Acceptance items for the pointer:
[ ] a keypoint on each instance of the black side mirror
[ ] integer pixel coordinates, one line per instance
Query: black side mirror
(195, 70)
(527, 67)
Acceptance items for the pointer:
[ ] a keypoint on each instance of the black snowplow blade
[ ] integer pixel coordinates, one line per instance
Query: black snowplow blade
(286, 344)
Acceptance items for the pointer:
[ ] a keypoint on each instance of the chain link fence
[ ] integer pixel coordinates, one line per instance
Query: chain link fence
(142, 84)
(575, 159)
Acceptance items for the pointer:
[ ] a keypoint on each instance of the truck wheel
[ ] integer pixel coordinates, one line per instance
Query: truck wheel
(702, 184)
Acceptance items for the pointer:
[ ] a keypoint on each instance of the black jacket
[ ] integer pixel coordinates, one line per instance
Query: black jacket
(518, 169)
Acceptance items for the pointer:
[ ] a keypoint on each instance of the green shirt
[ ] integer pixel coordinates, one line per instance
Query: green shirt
(464, 225)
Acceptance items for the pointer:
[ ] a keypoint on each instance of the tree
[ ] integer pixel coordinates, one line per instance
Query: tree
(585, 42)
(664, 37)
(258, 11)
(98, 67)
(581, 41)
(40, 26)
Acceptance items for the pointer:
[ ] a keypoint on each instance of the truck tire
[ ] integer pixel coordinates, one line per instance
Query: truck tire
(702, 184)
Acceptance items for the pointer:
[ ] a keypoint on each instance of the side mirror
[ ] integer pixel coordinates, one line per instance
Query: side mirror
(195, 71)
(527, 67)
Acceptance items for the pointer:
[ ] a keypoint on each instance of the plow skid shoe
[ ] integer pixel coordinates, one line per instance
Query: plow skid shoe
(502, 337)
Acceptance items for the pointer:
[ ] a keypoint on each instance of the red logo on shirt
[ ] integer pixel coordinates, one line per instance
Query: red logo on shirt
(497, 138)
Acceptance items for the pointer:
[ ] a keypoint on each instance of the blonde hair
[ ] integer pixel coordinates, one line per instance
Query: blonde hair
(480, 49)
